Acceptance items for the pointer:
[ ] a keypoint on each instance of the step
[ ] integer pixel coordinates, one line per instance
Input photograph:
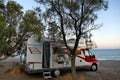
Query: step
(47, 74)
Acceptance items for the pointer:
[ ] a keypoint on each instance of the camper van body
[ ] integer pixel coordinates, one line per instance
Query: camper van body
(41, 56)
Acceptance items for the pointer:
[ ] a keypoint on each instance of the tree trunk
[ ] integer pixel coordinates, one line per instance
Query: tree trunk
(73, 68)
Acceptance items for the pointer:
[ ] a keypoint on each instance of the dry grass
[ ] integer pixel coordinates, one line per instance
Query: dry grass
(81, 77)
(68, 76)
(16, 69)
(3, 66)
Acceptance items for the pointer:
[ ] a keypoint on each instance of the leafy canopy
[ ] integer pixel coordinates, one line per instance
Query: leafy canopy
(14, 26)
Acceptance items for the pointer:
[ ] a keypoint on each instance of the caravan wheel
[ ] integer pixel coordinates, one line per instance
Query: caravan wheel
(56, 73)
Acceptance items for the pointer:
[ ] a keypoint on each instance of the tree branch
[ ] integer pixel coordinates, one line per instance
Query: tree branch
(61, 22)
(79, 27)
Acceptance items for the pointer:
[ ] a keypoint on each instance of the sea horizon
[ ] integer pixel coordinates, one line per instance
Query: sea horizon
(107, 54)
(106, 48)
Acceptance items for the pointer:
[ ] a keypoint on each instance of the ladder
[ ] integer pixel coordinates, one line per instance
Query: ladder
(47, 74)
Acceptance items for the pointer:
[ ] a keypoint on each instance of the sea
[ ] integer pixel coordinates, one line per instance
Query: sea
(107, 54)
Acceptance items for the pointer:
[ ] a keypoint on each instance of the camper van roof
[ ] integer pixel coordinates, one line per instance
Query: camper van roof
(34, 39)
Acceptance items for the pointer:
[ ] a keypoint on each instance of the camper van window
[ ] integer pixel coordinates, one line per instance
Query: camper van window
(61, 59)
(88, 53)
(34, 50)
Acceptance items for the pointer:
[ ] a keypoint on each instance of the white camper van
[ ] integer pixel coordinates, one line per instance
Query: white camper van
(45, 56)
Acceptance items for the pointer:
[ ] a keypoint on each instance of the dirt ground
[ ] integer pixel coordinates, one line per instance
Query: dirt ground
(108, 70)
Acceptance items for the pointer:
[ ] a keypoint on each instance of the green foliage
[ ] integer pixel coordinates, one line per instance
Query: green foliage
(53, 31)
(13, 13)
(5, 34)
(14, 26)
(31, 23)
(10, 16)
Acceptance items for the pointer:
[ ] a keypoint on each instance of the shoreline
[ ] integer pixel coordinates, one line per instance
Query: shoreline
(100, 60)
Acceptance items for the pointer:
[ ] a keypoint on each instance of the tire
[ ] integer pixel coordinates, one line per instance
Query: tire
(94, 67)
(56, 73)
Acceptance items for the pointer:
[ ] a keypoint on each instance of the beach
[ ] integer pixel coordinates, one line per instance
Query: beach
(108, 70)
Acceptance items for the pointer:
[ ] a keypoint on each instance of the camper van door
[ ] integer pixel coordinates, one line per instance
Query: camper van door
(46, 55)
